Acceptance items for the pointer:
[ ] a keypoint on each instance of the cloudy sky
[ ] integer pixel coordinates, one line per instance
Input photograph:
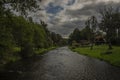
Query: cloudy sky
(63, 16)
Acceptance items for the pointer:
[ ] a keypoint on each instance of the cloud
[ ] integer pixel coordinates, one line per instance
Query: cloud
(71, 2)
(63, 16)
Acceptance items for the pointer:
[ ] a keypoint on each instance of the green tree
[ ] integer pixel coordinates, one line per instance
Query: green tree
(93, 23)
(40, 37)
(86, 33)
(110, 23)
(75, 36)
(22, 31)
(6, 40)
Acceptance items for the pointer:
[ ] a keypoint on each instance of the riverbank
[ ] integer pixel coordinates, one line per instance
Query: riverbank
(44, 50)
(13, 59)
(101, 52)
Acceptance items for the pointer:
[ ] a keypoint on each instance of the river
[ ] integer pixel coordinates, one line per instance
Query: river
(62, 64)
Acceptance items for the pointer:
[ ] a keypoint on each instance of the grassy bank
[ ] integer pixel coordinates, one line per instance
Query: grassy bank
(102, 52)
(10, 59)
(43, 50)
(15, 57)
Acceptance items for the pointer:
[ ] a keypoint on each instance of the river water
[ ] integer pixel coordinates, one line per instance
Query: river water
(61, 64)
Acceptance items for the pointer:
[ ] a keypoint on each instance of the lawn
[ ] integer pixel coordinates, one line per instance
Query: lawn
(101, 53)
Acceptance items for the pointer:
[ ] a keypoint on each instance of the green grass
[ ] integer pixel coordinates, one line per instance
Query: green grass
(100, 52)
(43, 50)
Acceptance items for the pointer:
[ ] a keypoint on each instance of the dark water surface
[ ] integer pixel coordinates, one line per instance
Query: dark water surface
(61, 64)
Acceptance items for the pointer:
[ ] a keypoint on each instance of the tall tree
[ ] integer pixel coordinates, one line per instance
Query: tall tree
(75, 36)
(110, 23)
(91, 25)
(93, 22)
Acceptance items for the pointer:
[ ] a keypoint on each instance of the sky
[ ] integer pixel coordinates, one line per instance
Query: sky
(63, 16)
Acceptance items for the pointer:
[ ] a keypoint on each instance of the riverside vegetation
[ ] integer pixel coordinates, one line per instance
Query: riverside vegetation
(21, 38)
(94, 38)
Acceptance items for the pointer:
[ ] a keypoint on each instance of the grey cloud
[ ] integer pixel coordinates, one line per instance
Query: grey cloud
(90, 9)
(66, 27)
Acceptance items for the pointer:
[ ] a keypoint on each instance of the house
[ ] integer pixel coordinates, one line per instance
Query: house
(99, 40)
(84, 42)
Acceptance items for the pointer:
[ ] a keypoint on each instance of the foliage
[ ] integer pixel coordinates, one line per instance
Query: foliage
(75, 36)
(27, 36)
(86, 33)
(57, 39)
(91, 24)
(21, 6)
(6, 40)
(20, 37)
(110, 23)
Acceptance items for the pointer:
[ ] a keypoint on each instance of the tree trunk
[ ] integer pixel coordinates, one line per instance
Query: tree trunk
(91, 46)
(110, 45)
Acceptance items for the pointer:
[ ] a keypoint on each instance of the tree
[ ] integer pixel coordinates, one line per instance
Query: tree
(86, 33)
(44, 25)
(87, 29)
(21, 6)
(40, 37)
(22, 32)
(6, 43)
(91, 25)
(75, 36)
(110, 23)
(6, 40)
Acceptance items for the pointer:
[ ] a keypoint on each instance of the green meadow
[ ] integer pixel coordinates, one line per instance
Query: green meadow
(101, 52)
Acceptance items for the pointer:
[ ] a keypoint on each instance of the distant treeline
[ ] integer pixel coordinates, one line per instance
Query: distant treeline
(107, 29)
